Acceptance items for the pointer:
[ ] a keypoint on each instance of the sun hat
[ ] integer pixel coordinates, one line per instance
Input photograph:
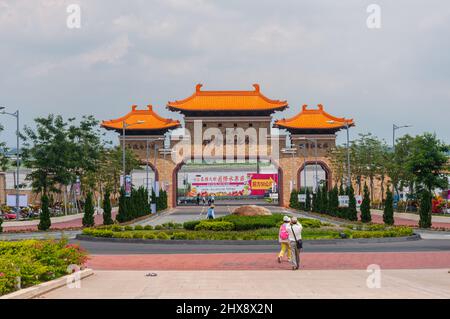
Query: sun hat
(294, 220)
(286, 219)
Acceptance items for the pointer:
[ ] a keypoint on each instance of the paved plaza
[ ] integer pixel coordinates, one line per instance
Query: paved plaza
(425, 283)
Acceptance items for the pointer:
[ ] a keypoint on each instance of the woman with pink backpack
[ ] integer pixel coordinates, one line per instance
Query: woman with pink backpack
(283, 238)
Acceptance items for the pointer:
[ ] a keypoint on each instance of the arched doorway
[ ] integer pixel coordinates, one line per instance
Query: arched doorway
(229, 184)
(316, 173)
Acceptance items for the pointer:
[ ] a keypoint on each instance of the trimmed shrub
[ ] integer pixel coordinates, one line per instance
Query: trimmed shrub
(117, 228)
(293, 201)
(88, 217)
(365, 206)
(163, 236)
(128, 228)
(388, 213)
(215, 225)
(107, 219)
(190, 225)
(1, 222)
(148, 227)
(44, 217)
(352, 213)
(149, 236)
(138, 227)
(180, 236)
(425, 209)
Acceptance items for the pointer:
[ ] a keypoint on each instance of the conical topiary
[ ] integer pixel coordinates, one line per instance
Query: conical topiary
(365, 206)
(107, 219)
(44, 217)
(425, 209)
(388, 213)
(88, 217)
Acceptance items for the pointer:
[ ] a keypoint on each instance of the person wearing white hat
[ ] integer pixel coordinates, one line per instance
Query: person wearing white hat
(283, 238)
(295, 242)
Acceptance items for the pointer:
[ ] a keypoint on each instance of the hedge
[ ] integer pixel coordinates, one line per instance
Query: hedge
(215, 226)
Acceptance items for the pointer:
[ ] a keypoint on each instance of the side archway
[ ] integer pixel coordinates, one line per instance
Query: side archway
(325, 168)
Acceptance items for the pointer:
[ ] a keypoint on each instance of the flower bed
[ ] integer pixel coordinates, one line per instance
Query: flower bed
(35, 261)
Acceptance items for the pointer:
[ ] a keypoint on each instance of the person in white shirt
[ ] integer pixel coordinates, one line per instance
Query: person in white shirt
(295, 242)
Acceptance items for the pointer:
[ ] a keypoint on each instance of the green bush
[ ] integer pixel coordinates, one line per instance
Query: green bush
(162, 235)
(1, 222)
(148, 227)
(149, 236)
(128, 228)
(190, 225)
(36, 261)
(138, 227)
(116, 228)
(159, 227)
(138, 234)
(215, 226)
(180, 236)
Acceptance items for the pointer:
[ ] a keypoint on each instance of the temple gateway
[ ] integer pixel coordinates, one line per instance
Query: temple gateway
(230, 146)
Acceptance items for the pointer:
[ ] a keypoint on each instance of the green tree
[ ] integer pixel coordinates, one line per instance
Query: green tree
(1, 222)
(48, 150)
(428, 162)
(352, 213)
(44, 216)
(388, 213)
(88, 217)
(107, 218)
(365, 206)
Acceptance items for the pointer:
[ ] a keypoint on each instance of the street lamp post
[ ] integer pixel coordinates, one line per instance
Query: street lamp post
(394, 128)
(124, 128)
(16, 115)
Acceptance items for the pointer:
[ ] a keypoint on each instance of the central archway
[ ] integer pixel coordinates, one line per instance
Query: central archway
(275, 172)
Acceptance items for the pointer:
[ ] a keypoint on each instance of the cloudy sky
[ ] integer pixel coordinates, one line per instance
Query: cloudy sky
(307, 52)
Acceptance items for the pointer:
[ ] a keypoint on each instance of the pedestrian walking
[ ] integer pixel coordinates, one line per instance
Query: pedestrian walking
(210, 214)
(203, 200)
(295, 242)
(198, 199)
(283, 239)
(212, 199)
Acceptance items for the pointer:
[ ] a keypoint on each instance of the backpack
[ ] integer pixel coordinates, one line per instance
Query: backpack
(284, 233)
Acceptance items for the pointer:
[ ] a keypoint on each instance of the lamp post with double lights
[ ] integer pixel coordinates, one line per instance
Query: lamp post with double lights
(16, 115)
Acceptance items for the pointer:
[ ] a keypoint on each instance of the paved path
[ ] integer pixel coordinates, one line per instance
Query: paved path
(264, 261)
(303, 284)
(407, 219)
(72, 223)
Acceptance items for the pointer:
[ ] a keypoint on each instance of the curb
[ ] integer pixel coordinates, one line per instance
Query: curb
(35, 291)
(247, 242)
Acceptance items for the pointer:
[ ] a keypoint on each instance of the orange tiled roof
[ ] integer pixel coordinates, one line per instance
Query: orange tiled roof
(314, 119)
(150, 121)
(227, 101)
